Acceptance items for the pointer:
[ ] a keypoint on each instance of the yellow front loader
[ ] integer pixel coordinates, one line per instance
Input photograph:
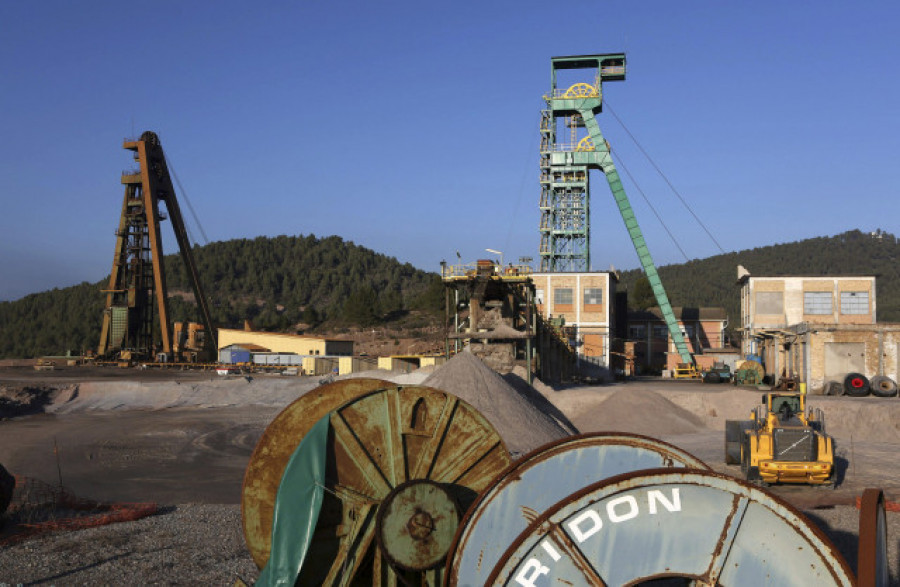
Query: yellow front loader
(782, 442)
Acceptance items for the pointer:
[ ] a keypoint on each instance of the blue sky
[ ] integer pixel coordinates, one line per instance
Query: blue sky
(412, 127)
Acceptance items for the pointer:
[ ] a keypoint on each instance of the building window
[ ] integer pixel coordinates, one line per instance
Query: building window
(817, 302)
(637, 332)
(854, 302)
(562, 296)
(661, 331)
(769, 302)
(538, 296)
(593, 296)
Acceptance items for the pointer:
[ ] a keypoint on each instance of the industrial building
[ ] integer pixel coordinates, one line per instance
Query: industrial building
(702, 328)
(816, 329)
(582, 305)
(282, 344)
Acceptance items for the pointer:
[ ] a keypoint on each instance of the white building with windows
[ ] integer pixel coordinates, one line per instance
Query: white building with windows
(816, 329)
(775, 303)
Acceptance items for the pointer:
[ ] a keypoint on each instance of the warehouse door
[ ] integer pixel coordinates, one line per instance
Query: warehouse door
(844, 357)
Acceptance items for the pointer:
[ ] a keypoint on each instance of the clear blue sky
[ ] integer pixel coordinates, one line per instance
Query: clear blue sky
(412, 127)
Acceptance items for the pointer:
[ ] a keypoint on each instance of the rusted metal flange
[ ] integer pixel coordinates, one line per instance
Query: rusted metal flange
(697, 525)
(872, 561)
(274, 449)
(416, 524)
(383, 443)
(539, 480)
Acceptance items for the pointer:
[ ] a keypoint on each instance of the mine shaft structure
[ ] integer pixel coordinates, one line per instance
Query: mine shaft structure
(572, 145)
(136, 299)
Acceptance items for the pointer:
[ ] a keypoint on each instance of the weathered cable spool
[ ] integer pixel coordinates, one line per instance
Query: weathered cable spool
(401, 464)
(657, 524)
(273, 450)
(749, 367)
(872, 561)
(540, 479)
(7, 486)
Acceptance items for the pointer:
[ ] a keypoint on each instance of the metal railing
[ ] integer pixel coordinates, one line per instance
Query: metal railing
(473, 269)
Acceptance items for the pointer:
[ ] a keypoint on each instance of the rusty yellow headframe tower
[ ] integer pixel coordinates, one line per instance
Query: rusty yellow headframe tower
(136, 298)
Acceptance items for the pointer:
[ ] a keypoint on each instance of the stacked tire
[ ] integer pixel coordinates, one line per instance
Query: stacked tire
(882, 386)
(833, 388)
(856, 385)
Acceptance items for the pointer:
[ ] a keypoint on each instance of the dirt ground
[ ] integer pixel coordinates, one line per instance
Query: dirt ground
(195, 450)
(186, 437)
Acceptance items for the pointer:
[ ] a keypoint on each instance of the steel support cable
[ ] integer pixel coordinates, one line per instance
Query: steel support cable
(515, 214)
(620, 164)
(187, 201)
(663, 175)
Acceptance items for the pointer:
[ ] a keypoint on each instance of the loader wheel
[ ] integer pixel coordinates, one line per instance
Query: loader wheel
(882, 386)
(745, 456)
(733, 432)
(753, 476)
(833, 388)
(856, 385)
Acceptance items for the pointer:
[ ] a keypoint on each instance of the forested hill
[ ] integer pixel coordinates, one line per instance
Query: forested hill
(713, 281)
(275, 282)
(284, 281)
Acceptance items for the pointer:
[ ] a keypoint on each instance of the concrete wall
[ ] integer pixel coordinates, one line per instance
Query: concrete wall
(816, 355)
(404, 364)
(320, 365)
(347, 365)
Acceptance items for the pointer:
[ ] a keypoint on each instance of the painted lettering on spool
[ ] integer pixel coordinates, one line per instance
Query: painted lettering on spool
(590, 522)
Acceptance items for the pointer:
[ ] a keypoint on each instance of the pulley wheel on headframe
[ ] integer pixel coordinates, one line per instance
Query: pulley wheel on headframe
(274, 449)
(663, 523)
(402, 463)
(539, 480)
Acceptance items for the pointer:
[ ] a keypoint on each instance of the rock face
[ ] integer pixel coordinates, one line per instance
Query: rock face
(519, 421)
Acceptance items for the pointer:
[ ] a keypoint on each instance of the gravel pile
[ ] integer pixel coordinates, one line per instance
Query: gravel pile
(640, 411)
(520, 421)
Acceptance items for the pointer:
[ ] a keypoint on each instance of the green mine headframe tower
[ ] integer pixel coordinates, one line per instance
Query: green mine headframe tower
(572, 145)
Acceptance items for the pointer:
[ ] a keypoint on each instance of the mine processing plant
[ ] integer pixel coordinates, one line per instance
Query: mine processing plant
(137, 283)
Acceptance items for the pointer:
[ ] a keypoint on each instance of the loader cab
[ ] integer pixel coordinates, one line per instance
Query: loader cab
(786, 407)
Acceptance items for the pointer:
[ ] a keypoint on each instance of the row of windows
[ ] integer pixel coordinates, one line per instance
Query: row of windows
(814, 302)
(658, 331)
(562, 296)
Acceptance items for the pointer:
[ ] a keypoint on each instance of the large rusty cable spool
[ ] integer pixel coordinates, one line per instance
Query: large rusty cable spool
(872, 561)
(656, 524)
(539, 480)
(756, 367)
(402, 463)
(7, 487)
(273, 450)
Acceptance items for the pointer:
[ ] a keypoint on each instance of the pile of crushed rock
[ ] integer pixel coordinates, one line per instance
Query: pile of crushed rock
(522, 419)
